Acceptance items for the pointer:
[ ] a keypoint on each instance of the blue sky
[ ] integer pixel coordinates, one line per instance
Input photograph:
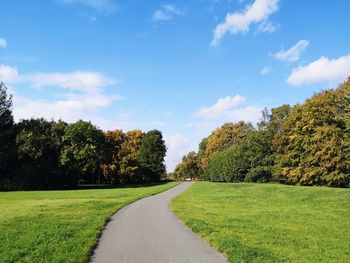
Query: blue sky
(184, 67)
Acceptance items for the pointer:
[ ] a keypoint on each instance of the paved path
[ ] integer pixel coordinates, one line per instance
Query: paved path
(148, 232)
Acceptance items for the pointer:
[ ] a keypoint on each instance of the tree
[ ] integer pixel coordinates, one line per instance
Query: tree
(313, 146)
(7, 137)
(111, 166)
(272, 121)
(39, 144)
(84, 151)
(130, 170)
(224, 137)
(227, 166)
(188, 168)
(151, 156)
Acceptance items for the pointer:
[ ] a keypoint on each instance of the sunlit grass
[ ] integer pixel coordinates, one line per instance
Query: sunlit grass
(59, 226)
(270, 222)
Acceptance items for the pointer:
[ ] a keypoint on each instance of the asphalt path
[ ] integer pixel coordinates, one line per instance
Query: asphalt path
(146, 231)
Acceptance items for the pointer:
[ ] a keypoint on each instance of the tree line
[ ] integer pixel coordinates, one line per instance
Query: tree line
(42, 154)
(307, 144)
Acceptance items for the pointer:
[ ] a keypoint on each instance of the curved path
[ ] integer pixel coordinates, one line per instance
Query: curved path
(146, 231)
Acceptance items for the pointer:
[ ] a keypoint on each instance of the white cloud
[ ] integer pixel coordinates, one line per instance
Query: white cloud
(102, 6)
(292, 54)
(266, 70)
(221, 107)
(84, 94)
(3, 43)
(8, 74)
(78, 80)
(177, 146)
(250, 113)
(166, 12)
(239, 22)
(321, 70)
(69, 109)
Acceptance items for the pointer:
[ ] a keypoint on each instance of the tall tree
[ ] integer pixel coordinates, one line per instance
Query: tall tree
(130, 170)
(39, 144)
(313, 146)
(111, 167)
(151, 156)
(224, 137)
(7, 135)
(84, 151)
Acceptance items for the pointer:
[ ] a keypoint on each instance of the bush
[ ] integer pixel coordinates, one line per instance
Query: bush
(227, 166)
(260, 174)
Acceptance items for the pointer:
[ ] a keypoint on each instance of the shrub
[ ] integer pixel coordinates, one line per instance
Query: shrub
(260, 174)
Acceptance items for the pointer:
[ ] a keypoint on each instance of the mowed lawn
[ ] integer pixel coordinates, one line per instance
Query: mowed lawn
(269, 222)
(59, 226)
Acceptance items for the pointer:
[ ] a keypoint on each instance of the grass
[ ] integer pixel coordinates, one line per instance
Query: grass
(59, 226)
(269, 222)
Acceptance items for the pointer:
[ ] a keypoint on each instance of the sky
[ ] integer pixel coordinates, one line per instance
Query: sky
(183, 67)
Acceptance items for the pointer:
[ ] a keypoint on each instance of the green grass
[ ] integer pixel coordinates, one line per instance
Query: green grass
(59, 226)
(269, 222)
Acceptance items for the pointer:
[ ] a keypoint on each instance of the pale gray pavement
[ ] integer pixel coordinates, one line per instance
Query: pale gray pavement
(146, 231)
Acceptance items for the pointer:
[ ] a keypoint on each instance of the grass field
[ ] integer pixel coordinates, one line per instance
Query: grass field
(59, 226)
(269, 222)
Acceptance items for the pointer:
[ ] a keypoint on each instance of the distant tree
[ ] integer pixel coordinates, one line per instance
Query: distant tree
(227, 166)
(111, 166)
(272, 121)
(190, 165)
(224, 137)
(83, 152)
(313, 146)
(130, 170)
(7, 137)
(151, 156)
(39, 144)
(201, 152)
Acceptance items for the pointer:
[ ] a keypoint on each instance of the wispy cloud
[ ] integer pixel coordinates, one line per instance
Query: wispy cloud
(240, 22)
(321, 70)
(78, 80)
(100, 6)
(84, 93)
(3, 43)
(266, 70)
(166, 12)
(222, 106)
(8, 74)
(293, 53)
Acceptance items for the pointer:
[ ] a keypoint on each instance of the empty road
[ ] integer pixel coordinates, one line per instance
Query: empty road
(146, 231)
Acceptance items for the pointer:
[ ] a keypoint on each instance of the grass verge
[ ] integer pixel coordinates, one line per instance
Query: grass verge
(60, 226)
(269, 222)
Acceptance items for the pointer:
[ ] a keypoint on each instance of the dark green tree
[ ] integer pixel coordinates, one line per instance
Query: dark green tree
(151, 156)
(7, 138)
(83, 151)
(39, 144)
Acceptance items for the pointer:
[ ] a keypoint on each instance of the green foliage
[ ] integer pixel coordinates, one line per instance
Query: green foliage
(313, 146)
(7, 137)
(83, 151)
(227, 166)
(151, 156)
(269, 222)
(259, 174)
(188, 168)
(222, 138)
(39, 145)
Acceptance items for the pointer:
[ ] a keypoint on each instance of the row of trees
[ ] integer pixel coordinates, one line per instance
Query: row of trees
(41, 154)
(308, 144)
